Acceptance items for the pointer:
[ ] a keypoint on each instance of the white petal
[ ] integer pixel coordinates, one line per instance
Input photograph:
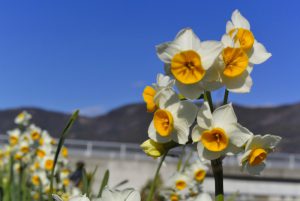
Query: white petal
(229, 26)
(239, 84)
(190, 91)
(196, 133)
(186, 39)
(227, 41)
(210, 155)
(244, 157)
(181, 132)
(239, 20)
(270, 141)
(166, 51)
(204, 117)
(184, 110)
(259, 54)
(79, 198)
(238, 134)
(224, 116)
(203, 197)
(155, 136)
(209, 51)
(232, 150)
(256, 169)
(165, 98)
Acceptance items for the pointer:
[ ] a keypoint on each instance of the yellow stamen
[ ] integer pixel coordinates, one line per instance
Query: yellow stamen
(13, 140)
(174, 197)
(35, 135)
(235, 60)
(199, 175)
(49, 164)
(25, 149)
(215, 139)
(187, 68)
(244, 37)
(64, 152)
(148, 95)
(163, 122)
(257, 156)
(180, 185)
(40, 153)
(35, 180)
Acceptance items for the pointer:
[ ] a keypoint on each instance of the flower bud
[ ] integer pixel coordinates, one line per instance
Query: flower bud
(153, 149)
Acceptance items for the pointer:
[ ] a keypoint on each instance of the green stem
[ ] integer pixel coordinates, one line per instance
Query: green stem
(152, 189)
(207, 97)
(217, 169)
(225, 100)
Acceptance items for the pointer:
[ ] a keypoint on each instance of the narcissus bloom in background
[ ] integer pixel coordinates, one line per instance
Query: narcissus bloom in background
(256, 152)
(239, 29)
(179, 181)
(198, 171)
(172, 120)
(76, 198)
(218, 133)
(23, 118)
(188, 60)
(151, 95)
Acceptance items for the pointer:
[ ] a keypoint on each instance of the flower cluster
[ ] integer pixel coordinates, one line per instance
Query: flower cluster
(197, 68)
(30, 151)
(186, 184)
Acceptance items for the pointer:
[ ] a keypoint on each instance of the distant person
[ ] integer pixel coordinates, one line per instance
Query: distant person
(76, 176)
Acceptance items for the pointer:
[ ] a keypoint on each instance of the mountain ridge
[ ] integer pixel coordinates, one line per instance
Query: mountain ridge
(129, 123)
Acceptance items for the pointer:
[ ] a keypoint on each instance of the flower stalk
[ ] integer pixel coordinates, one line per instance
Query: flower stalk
(152, 189)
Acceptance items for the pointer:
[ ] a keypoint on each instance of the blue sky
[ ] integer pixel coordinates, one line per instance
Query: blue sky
(98, 55)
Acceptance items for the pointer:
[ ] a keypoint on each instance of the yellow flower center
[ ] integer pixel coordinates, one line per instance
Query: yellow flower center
(40, 153)
(49, 164)
(215, 139)
(35, 180)
(257, 156)
(174, 197)
(187, 68)
(66, 182)
(163, 122)
(64, 152)
(180, 185)
(235, 60)
(148, 95)
(18, 156)
(244, 37)
(199, 175)
(25, 149)
(13, 140)
(35, 135)
(21, 116)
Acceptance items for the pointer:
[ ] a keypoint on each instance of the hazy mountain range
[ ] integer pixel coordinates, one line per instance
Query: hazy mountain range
(130, 123)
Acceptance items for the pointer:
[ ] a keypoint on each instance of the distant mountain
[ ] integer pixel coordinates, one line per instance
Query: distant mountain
(130, 123)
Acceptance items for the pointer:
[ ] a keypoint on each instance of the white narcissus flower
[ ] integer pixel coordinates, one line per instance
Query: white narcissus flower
(198, 171)
(256, 151)
(179, 181)
(172, 120)
(189, 62)
(234, 67)
(23, 118)
(151, 95)
(218, 133)
(14, 136)
(239, 29)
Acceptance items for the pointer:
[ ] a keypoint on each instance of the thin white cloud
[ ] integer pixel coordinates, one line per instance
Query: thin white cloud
(92, 111)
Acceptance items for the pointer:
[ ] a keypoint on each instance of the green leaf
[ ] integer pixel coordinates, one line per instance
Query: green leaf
(85, 188)
(60, 144)
(104, 183)
(121, 183)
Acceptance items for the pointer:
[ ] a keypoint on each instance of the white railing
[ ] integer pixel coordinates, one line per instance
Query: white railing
(124, 150)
